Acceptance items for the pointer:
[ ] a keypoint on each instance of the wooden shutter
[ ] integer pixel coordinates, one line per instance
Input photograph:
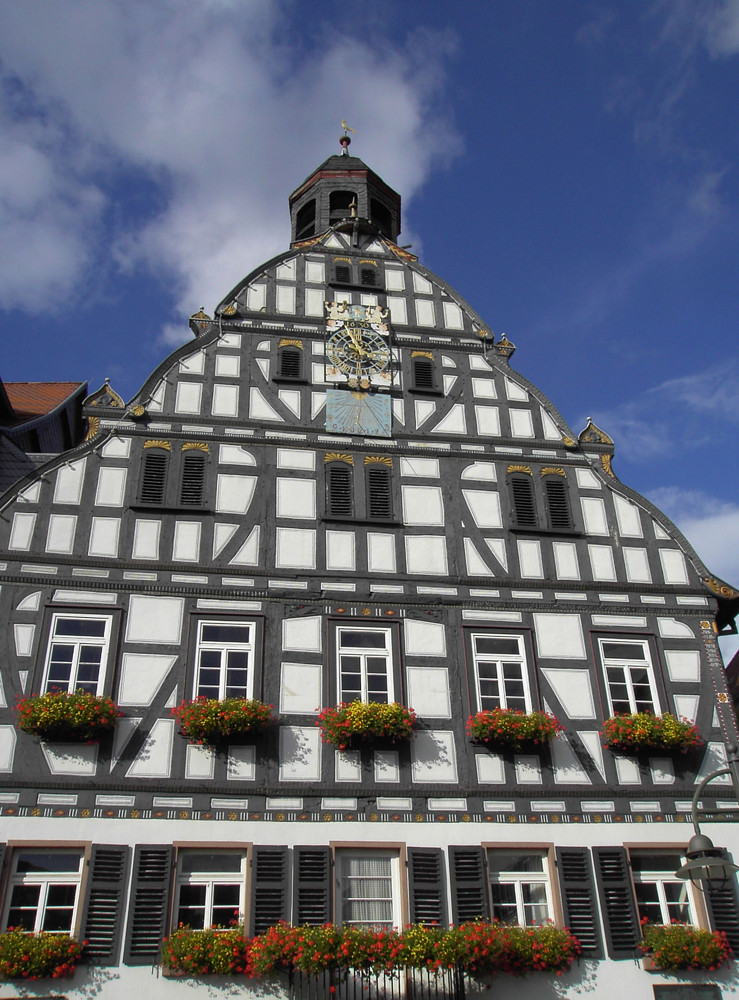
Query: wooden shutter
(102, 915)
(312, 885)
(620, 919)
(558, 503)
(524, 506)
(427, 887)
(154, 477)
(269, 900)
(469, 884)
(291, 359)
(579, 899)
(192, 480)
(724, 911)
(424, 375)
(339, 490)
(379, 493)
(368, 276)
(149, 904)
(342, 272)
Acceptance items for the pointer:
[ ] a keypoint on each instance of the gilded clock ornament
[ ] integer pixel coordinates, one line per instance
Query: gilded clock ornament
(357, 351)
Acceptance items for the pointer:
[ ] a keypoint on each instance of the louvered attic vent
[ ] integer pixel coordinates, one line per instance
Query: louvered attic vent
(558, 503)
(290, 362)
(379, 497)
(522, 490)
(154, 477)
(193, 479)
(368, 276)
(340, 494)
(424, 375)
(343, 274)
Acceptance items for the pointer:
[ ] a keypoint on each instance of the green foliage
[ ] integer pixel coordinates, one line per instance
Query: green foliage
(512, 727)
(644, 731)
(61, 715)
(347, 725)
(206, 953)
(679, 946)
(37, 956)
(207, 720)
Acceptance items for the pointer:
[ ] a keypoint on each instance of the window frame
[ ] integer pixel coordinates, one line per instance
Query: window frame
(396, 853)
(47, 880)
(290, 350)
(54, 613)
(647, 645)
(476, 657)
(175, 468)
(419, 359)
(361, 476)
(547, 878)
(525, 640)
(386, 653)
(332, 683)
(254, 680)
(531, 504)
(694, 900)
(210, 879)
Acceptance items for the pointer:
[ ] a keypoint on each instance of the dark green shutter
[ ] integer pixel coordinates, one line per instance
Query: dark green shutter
(578, 898)
(147, 912)
(620, 918)
(102, 915)
(312, 885)
(724, 912)
(269, 899)
(427, 888)
(469, 884)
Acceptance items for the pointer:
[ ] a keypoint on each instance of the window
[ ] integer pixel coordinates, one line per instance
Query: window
(382, 217)
(522, 496)
(367, 889)
(368, 275)
(423, 372)
(224, 660)
(519, 887)
(305, 221)
(379, 492)
(192, 479)
(541, 508)
(154, 476)
(501, 677)
(629, 676)
(345, 500)
(660, 896)
(340, 205)
(558, 502)
(174, 480)
(290, 361)
(365, 659)
(339, 490)
(77, 653)
(210, 888)
(44, 890)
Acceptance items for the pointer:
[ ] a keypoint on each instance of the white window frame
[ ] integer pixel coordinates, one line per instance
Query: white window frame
(77, 641)
(224, 647)
(45, 881)
(478, 658)
(210, 879)
(364, 653)
(661, 879)
(342, 858)
(519, 879)
(627, 665)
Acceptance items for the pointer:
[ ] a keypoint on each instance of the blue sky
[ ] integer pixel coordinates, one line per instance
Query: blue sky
(570, 167)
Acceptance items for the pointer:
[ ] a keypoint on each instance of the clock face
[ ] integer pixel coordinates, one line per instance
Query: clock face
(358, 351)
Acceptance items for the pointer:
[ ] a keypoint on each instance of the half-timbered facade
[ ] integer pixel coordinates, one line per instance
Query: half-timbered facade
(341, 488)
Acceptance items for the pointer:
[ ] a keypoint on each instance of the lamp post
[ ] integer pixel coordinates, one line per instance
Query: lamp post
(707, 866)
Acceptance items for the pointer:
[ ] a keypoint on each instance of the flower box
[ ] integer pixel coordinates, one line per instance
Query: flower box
(208, 720)
(644, 731)
(359, 722)
(678, 947)
(37, 956)
(209, 952)
(510, 727)
(62, 715)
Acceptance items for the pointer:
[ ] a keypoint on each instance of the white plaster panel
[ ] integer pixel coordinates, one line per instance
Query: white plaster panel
(286, 270)
(30, 603)
(434, 757)
(302, 634)
(565, 560)
(659, 532)
(601, 562)
(455, 421)
(21, 531)
(421, 284)
(484, 471)
(85, 597)
(490, 768)
(348, 765)
(295, 548)
(560, 636)
(23, 635)
(673, 566)
(248, 553)
(234, 493)
(551, 431)
(235, 454)
(116, 447)
(637, 565)
(263, 366)
(398, 411)
(225, 400)
(69, 481)
(296, 498)
(428, 692)
(300, 688)
(200, 762)
(529, 559)
(522, 424)
(259, 408)
(227, 365)
(285, 298)
(484, 388)
(186, 546)
(394, 279)
(627, 770)
(111, 487)
(714, 759)
(423, 409)
(241, 763)
(476, 565)
(591, 740)
(574, 690)
(594, 515)
(628, 517)
(423, 505)
(386, 766)
(340, 550)
(193, 364)
(686, 706)
(256, 297)
(8, 740)
(398, 311)
(424, 638)
(587, 480)
(291, 458)
(189, 397)
(683, 664)
(63, 758)
(31, 493)
(317, 399)
(418, 467)
(142, 674)
(488, 421)
(484, 506)
(567, 768)
(426, 554)
(291, 399)
(515, 391)
(300, 753)
(154, 759)
(156, 400)
(671, 628)
(315, 271)
(491, 616)
(60, 536)
(528, 769)
(622, 621)
(154, 619)
(222, 535)
(380, 552)
(146, 539)
(124, 730)
(104, 535)
(663, 770)
(453, 316)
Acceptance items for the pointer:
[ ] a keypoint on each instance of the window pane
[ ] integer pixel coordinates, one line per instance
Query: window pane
(624, 650)
(43, 861)
(373, 639)
(80, 626)
(642, 862)
(225, 633)
(504, 903)
(496, 644)
(535, 906)
(510, 861)
(199, 861)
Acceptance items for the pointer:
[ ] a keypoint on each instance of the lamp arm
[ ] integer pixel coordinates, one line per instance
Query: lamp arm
(699, 791)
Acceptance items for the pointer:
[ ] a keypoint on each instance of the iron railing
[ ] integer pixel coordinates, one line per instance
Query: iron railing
(404, 984)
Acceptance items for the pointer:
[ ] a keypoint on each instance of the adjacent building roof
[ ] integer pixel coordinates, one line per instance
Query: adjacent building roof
(29, 400)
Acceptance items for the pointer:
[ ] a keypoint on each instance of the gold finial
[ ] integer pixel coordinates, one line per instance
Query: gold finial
(353, 208)
(346, 128)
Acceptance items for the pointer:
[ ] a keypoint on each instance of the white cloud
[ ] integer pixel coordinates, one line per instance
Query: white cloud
(218, 108)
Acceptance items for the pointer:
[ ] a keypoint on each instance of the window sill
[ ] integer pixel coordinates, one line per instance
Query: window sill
(290, 381)
(569, 532)
(386, 522)
(167, 508)
(418, 390)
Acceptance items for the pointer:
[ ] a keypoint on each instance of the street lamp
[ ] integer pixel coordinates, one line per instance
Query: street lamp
(708, 867)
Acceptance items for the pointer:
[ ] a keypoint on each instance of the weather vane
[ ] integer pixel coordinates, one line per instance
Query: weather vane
(346, 138)
(346, 128)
